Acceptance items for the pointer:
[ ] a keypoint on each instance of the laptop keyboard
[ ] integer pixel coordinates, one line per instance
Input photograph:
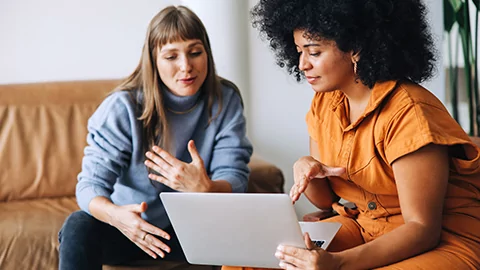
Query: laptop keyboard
(318, 243)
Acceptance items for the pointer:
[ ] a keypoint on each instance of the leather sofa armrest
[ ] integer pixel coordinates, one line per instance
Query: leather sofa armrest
(345, 208)
(264, 177)
(318, 215)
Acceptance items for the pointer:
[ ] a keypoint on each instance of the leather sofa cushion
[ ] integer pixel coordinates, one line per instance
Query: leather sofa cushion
(29, 232)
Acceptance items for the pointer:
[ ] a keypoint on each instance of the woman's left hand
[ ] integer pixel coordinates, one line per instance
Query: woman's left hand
(293, 258)
(178, 175)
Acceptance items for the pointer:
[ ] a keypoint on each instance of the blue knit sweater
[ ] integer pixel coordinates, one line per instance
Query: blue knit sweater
(113, 165)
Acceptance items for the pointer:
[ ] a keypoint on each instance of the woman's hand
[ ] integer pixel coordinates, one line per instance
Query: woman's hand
(306, 169)
(178, 175)
(293, 258)
(127, 220)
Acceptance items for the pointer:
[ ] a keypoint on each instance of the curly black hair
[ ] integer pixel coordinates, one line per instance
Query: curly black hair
(392, 37)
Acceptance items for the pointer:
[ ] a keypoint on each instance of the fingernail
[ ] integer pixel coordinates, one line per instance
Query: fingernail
(281, 264)
(148, 154)
(280, 247)
(278, 254)
(155, 148)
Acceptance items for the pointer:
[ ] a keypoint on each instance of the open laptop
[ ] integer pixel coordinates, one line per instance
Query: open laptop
(239, 229)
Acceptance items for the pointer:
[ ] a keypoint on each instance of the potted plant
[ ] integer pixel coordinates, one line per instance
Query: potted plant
(461, 27)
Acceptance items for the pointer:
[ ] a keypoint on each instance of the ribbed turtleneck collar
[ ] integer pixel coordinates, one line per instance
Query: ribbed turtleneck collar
(179, 103)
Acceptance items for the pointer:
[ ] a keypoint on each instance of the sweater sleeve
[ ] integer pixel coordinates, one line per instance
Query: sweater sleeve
(108, 150)
(232, 149)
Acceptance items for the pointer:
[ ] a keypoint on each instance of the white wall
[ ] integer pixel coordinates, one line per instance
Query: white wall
(227, 28)
(278, 106)
(87, 39)
(75, 39)
(435, 17)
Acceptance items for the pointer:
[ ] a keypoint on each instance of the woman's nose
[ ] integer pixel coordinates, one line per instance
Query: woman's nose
(185, 64)
(303, 63)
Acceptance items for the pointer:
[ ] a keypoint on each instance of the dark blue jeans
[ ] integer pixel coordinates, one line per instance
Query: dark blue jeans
(87, 243)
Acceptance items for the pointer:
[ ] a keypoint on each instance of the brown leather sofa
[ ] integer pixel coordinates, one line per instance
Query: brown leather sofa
(42, 137)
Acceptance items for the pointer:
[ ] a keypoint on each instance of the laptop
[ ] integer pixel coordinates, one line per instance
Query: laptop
(242, 229)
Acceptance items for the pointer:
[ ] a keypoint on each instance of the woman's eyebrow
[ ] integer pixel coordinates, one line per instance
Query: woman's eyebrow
(195, 44)
(311, 45)
(176, 49)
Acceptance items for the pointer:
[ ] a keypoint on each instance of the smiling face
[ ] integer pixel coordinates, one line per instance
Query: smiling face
(183, 66)
(325, 66)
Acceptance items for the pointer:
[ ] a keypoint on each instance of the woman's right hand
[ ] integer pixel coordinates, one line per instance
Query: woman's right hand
(127, 219)
(307, 168)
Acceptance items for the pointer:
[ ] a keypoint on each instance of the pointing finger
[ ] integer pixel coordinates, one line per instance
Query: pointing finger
(192, 149)
(166, 156)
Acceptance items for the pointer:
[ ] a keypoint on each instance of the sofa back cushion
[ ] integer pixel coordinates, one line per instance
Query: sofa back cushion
(43, 128)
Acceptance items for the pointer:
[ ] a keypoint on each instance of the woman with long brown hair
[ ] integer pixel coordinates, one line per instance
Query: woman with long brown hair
(172, 125)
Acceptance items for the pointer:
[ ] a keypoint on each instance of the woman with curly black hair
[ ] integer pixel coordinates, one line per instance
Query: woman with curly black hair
(377, 138)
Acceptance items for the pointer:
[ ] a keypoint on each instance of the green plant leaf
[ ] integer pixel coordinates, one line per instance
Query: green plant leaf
(460, 16)
(457, 11)
(456, 4)
(448, 16)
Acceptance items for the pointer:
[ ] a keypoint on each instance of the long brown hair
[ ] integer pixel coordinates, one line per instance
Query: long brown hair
(171, 24)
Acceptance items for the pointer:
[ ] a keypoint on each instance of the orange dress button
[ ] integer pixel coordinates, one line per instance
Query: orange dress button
(372, 205)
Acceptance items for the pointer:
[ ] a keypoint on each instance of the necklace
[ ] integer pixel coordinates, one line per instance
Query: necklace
(183, 112)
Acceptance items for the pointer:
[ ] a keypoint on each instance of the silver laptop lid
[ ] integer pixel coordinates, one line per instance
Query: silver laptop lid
(233, 229)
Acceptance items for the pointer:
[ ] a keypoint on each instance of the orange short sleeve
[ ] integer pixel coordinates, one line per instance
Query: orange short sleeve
(418, 124)
(312, 120)
(316, 114)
